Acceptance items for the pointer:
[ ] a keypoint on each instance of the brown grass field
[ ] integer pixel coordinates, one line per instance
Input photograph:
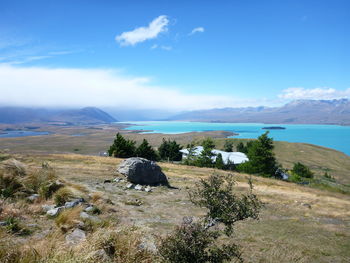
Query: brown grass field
(297, 223)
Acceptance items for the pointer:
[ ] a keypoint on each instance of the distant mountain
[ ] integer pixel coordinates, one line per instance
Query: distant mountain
(88, 115)
(296, 112)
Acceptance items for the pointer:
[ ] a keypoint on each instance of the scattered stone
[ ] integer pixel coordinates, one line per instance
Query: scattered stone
(73, 203)
(47, 207)
(138, 187)
(148, 189)
(3, 223)
(117, 180)
(142, 171)
(84, 215)
(33, 197)
(130, 186)
(54, 212)
(89, 209)
(107, 181)
(75, 237)
(99, 256)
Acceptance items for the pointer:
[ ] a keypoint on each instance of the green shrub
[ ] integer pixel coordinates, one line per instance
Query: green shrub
(195, 243)
(302, 170)
(217, 195)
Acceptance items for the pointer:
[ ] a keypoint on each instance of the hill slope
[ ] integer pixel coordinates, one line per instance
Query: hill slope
(292, 215)
(88, 115)
(300, 111)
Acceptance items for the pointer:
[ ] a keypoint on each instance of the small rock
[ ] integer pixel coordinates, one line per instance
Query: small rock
(89, 209)
(117, 180)
(107, 181)
(84, 215)
(3, 223)
(33, 197)
(130, 186)
(73, 203)
(55, 211)
(148, 189)
(47, 207)
(138, 187)
(75, 237)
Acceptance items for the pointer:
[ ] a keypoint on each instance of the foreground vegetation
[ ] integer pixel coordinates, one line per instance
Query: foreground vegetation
(291, 216)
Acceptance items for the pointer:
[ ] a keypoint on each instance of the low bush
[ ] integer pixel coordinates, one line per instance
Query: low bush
(194, 242)
(62, 196)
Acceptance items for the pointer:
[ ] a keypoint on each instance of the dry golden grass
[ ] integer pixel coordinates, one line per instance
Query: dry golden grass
(297, 223)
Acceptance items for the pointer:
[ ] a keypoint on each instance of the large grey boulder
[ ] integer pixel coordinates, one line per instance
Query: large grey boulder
(142, 171)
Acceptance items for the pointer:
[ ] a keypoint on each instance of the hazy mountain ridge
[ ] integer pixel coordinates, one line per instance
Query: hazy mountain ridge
(295, 112)
(88, 115)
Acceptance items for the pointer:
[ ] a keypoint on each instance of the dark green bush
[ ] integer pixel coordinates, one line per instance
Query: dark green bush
(302, 170)
(194, 242)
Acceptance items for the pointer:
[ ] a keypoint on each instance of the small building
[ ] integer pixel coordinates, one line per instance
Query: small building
(232, 157)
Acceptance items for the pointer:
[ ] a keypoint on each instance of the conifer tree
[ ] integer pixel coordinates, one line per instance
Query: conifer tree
(146, 151)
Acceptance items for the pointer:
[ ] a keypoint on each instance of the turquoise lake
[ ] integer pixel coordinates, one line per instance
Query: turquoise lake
(331, 136)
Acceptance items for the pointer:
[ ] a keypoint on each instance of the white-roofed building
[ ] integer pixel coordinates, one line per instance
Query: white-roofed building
(233, 157)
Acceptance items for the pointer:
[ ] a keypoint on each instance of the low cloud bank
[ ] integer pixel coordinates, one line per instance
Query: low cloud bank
(62, 87)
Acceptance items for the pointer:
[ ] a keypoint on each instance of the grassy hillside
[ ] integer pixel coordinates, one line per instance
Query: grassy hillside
(318, 159)
(297, 224)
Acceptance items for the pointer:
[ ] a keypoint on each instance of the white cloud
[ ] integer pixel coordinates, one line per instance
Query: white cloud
(197, 30)
(141, 34)
(317, 93)
(67, 87)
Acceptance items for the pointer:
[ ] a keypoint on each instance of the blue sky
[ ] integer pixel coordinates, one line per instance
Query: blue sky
(196, 54)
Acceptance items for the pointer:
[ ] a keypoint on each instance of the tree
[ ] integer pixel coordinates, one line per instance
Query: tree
(219, 162)
(261, 157)
(146, 151)
(205, 158)
(191, 158)
(228, 146)
(170, 150)
(122, 147)
(241, 148)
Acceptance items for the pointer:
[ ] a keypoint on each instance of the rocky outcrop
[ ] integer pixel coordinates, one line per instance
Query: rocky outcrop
(142, 171)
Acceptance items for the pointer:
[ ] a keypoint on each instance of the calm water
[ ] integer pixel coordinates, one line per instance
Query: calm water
(9, 134)
(332, 136)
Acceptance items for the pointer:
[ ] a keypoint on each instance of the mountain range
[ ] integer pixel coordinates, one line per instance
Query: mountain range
(295, 112)
(88, 115)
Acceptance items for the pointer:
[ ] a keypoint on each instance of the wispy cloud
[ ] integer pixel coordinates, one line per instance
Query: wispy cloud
(197, 30)
(39, 86)
(141, 34)
(295, 93)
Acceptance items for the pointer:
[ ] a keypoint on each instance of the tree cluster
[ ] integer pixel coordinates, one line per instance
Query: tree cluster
(125, 148)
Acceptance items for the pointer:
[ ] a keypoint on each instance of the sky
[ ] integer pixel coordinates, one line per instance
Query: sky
(173, 55)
